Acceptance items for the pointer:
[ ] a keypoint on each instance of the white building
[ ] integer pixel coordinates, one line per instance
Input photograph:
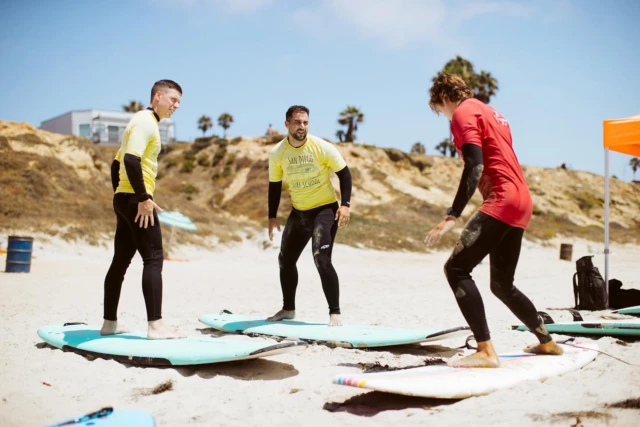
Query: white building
(101, 126)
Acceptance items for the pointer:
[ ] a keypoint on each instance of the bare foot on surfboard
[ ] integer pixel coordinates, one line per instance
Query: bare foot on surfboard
(282, 315)
(547, 348)
(111, 327)
(334, 320)
(479, 359)
(158, 331)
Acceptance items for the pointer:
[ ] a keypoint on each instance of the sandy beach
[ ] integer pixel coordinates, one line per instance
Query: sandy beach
(42, 385)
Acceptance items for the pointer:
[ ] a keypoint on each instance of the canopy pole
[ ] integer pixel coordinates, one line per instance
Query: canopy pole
(606, 221)
(170, 241)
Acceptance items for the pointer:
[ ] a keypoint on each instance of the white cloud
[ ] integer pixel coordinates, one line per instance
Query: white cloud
(242, 6)
(232, 6)
(398, 23)
(470, 10)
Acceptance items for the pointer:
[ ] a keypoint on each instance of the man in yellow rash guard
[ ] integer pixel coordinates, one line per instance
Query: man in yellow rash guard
(133, 176)
(304, 161)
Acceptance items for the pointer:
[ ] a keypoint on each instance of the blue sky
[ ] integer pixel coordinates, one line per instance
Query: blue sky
(562, 66)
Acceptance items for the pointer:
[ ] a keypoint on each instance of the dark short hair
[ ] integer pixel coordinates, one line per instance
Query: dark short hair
(296, 109)
(164, 85)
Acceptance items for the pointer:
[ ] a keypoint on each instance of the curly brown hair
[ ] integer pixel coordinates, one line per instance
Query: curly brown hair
(450, 86)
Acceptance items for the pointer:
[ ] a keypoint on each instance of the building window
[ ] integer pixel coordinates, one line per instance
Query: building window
(164, 135)
(98, 133)
(84, 130)
(113, 133)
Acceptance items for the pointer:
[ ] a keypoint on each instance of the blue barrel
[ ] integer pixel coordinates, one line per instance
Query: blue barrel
(19, 254)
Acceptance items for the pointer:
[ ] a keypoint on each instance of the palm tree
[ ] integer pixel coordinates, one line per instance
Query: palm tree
(452, 149)
(224, 121)
(446, 145)
(483, 85)
(635, 164)
(460, 67)
(133, 107)
(350, 118)
(340, 134)
(443, 146)
(204, 124)
(418, 147)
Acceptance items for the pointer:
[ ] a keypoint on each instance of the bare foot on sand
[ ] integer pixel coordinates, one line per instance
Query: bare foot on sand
(111, 327)
(334, 320)
(158, 331)
(282, 315)
(484, 357)
(547, 348)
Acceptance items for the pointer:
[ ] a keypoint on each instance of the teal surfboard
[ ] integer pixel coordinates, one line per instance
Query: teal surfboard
(633, 311)
(612, 328)
(342, 336)
(107, 417)
(135, 348)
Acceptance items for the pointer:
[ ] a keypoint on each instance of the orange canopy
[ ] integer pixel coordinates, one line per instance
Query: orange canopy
(623, 135)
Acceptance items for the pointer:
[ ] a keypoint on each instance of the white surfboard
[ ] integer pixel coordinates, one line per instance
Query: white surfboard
(445, 382)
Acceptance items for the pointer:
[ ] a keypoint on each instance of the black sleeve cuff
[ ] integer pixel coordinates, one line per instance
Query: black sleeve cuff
(115, 174)
(275, 188)
(134, 173)
(346, 184)
(473, 164)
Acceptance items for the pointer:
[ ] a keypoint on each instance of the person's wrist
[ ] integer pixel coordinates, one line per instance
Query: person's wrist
(452, 213)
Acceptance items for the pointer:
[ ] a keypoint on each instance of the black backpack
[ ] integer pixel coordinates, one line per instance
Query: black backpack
(589, 289)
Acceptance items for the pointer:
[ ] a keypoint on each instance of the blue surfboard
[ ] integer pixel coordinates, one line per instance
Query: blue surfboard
(352, 336)
(633, 311)
(107, 417)
(135, 348)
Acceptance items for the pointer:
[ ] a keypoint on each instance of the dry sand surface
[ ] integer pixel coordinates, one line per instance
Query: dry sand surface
(41, 385)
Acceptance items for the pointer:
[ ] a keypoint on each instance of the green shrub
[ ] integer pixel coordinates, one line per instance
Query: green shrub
(169, 163)
(200, 144)
(187, 166)
(203, 160)
(231, 159)
(218, 156)
(189, 190)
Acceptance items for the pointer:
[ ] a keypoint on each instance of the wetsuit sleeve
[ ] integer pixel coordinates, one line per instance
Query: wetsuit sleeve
(344, 175)
(134, 173)
(115, 174)
(275, 183)
(473, 166)
(275, 188)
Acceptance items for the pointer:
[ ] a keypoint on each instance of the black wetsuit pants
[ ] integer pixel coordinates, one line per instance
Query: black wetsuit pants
(484, 235)
(319, 225)
(130, 237)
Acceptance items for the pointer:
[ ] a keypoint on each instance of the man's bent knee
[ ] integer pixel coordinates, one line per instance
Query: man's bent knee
(322, 260)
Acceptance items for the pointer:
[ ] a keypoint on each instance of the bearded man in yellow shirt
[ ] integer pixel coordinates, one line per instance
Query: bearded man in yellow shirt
(304, 161)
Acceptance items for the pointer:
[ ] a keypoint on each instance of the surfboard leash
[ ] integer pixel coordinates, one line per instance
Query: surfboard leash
(567, 341)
